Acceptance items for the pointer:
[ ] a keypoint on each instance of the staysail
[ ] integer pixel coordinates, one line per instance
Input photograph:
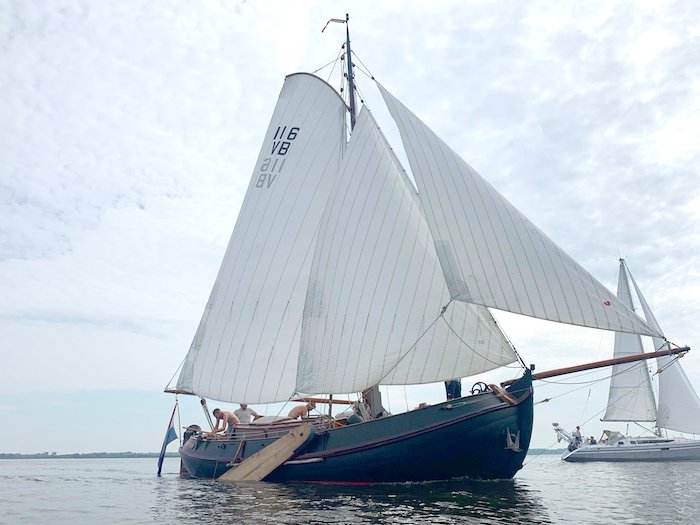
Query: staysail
(376, 288)
(490, 253)
(246, 346)
(631, 397)
(679, 404)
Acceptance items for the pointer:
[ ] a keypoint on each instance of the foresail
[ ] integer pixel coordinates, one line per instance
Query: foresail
(246, 346)
(490, 253)
(376, 289)
(679, 404)
(631, 397)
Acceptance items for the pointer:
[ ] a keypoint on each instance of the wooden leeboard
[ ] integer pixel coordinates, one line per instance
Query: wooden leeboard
(260, 464)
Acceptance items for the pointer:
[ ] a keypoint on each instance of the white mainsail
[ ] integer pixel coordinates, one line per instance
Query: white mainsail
(631, 397)
(247, 343)
(333, 283)
(679, 404)
(376, 287)
(490, 253)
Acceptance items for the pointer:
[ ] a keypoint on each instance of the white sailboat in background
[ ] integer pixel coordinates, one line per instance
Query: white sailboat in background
(631, 399)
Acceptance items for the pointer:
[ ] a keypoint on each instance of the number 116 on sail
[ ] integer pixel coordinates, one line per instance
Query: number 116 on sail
(272, 166)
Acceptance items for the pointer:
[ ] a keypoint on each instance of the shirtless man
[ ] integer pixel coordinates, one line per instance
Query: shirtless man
(301, 411)
(227, 420)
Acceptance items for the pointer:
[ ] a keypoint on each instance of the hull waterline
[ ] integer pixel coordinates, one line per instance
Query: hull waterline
(481, 436)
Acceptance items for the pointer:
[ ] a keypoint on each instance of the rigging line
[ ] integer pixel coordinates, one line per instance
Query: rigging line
(366, 70)
(416, 343)
(176, 371)
(477, 353)
(362, 97)
(606, 406)
(595, 415)
(643, 427)
(508, 340)
(363, 71)
(334, 61)
(575, 389)
(670, 364)
(629, 392)
(584, 385)
(584, 409)
(588, 383)
(541, 453)
(667, 342)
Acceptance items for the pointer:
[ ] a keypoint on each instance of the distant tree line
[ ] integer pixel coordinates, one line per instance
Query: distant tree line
(87, 455)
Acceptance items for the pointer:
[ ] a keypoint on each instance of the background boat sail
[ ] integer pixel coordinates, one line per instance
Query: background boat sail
(340, 275)
(631, 398)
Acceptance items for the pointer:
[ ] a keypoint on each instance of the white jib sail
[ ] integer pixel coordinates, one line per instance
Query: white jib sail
(376, 287)
(679, 404)
(631, 397)
(490, 253)
(247, 343)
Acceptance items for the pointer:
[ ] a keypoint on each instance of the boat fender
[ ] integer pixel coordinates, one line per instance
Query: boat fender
(503, 394)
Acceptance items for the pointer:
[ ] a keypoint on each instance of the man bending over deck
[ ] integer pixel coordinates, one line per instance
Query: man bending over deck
(227, 420)
(302, 411)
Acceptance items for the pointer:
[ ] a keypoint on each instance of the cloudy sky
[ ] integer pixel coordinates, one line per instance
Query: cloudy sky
(129, 131)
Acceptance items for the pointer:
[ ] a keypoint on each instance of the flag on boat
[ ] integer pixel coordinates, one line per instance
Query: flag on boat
(170, 436)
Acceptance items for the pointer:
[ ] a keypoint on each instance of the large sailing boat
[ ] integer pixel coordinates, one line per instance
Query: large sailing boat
(631, 399)
(341, 275)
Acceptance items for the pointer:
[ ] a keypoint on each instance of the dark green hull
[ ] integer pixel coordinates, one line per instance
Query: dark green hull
(482, 436)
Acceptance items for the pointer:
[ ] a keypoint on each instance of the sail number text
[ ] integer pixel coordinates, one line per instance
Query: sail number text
(272, 166)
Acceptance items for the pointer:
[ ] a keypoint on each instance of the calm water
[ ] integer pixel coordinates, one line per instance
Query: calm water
(545, 491)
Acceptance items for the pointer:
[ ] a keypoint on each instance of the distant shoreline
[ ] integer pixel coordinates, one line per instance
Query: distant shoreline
(89, 455)
(127, 455)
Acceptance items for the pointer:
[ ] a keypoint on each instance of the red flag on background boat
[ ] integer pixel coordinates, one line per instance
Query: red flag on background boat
(170, 436)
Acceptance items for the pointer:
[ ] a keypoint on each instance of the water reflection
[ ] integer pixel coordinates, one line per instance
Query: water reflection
(462, 501)
(547, 490)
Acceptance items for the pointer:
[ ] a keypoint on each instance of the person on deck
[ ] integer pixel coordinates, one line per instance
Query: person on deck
(577, 435)
(227, 420)
(456, 388)
(301, 411)
(453, 388)
(245, 414)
